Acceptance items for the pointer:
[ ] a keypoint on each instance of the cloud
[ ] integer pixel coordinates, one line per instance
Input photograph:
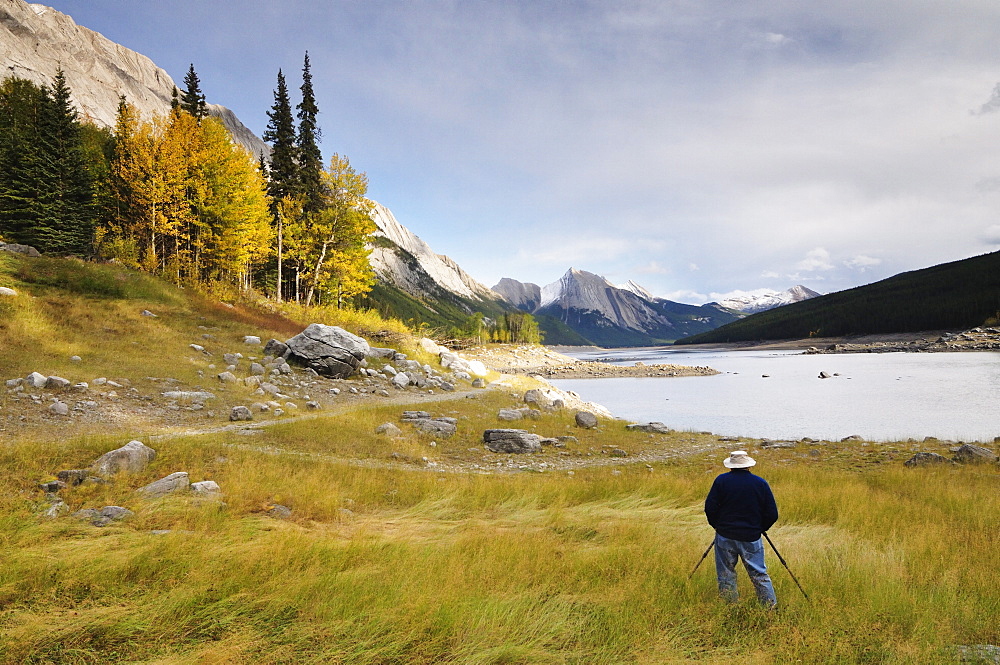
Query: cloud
(991, 236)
(862, 262)
(693, 267)
(816, 260)
(770, 274)
(992, 105)
(687, 296)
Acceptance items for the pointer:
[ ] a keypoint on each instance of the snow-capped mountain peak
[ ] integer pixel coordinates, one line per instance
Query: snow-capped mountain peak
(759, 300)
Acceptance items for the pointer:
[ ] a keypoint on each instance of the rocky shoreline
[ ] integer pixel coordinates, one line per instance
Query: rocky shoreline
(975, 339)
(550, 364)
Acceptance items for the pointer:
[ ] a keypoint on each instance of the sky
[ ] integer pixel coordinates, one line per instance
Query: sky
(696, 147)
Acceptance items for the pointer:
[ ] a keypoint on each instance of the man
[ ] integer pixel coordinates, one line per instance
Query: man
(740, 507)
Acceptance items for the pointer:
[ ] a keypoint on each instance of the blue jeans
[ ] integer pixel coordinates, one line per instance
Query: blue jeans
(727, 552)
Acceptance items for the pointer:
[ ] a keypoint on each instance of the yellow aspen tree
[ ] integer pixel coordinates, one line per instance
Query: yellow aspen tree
(338, 259)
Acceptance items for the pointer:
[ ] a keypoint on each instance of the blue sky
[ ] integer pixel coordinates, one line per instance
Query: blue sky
(698, 147)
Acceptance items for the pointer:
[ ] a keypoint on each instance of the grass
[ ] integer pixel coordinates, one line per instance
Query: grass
(567, 556)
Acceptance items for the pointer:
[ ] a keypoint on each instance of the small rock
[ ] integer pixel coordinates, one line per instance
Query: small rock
(280, 512)
(146, 312)
(175, 482)
(59, 408)
(227, 377)
(7, 291)
(36, 380)
(389, 429)
(825, 375)
(251, 339)
(925, 459)
(586, 420)
(509, 414)
(75, 359)
(206, 487)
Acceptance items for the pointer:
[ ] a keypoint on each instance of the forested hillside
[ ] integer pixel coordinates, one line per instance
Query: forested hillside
(957, 295)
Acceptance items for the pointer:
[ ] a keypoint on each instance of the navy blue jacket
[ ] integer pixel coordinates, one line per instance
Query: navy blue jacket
(740, 505)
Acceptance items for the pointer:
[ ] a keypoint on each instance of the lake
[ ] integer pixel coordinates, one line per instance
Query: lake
(880, 396)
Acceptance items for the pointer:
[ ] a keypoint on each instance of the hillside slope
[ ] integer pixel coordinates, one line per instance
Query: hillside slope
(956, 295)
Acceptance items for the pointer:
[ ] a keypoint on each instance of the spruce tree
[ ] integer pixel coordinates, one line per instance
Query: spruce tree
(21, 102)
(310, 159)
(280, 133)
(192, 99)
(66, 213)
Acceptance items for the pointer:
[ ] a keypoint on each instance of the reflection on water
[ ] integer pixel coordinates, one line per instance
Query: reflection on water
(778, 395)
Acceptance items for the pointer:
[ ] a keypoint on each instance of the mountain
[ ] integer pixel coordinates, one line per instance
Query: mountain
(950, 296)
(36, 41)
(416, 283)
(761, 300)
(582, 305)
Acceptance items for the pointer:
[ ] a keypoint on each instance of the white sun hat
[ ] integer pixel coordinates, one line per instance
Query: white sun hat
(738, 459)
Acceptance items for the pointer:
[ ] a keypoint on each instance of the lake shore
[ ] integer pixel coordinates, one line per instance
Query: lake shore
(549, 363)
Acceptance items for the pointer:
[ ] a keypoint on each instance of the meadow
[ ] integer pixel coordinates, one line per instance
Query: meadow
(399, 551)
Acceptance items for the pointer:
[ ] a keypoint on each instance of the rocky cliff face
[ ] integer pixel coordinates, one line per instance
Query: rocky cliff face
(521, 295)
(402, 259)
(35, 41)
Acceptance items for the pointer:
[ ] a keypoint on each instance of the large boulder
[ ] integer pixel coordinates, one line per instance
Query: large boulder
(926, 459)
(586, 419)
(650, 428)
(512, 441)
(14, 248)
(131, 458)
(968, 453)
(329, 350)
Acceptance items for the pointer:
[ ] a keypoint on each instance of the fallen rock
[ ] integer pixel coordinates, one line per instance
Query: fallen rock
(331, 351)
(512, 441)
(175, 482)
(14, 248)
(276, 349)
(510, 414)
(7, 291)
(251, 339)
(36, 380)
(59, 408)
(547, 399)
(400, 380)
(442, 427)
(131, 458)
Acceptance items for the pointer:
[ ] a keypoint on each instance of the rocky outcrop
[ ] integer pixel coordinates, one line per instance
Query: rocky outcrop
(36, 41)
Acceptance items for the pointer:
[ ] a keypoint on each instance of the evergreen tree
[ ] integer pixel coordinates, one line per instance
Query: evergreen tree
(280, 133)
(21, 103)
(192, 100)
(175, 100)
(310, 159)
(67, 213)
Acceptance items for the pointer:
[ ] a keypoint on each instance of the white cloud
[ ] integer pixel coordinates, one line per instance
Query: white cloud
(687, 296)
(816, 259)
(652, 268)
(693, 267)
(770, 274)
(862, 262)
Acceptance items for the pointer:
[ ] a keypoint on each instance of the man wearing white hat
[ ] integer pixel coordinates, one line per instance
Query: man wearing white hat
(740, 507)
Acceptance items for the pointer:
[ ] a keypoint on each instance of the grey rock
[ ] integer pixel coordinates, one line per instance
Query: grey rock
(767, 443)
(585, 419)
(197, 347)
(276, 349)
(52, 486)
(825, 375)
(280, 512)
(232, 358)
(116, 512)
(189, 395)
(14, 383)
(415, 415)
(175, 482)
(331, 351)
(73, 477)
(400, 380)
(147, 313)
(510, 414)
(226, 377)
(206, 487)
(56, 508)
(36, 380)
(239, 413)
(441, 427)
(376, 352)
(57, 383)
(853, 437)
(389, 429)
(130, 458)
(7, 291)
(14, 248)
(59, 408)
(983, 654)
(75, 359)
(478, 383)
(257, 369)
(512, 441)
(968, 453)
(617, 452)
(312, 405)
(251, 339)
(926, 459)
(651, 428)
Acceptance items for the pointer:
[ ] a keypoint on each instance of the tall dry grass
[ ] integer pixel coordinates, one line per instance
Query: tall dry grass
(403, 565)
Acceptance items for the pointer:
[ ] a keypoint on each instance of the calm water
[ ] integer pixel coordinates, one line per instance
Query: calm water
(885, 396)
